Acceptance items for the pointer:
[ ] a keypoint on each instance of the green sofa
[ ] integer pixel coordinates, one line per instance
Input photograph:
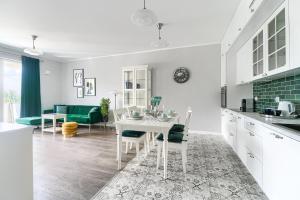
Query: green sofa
(82, 114)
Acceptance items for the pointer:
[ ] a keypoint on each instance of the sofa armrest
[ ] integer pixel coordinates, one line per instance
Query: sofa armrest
(48, 111)
(94, 117)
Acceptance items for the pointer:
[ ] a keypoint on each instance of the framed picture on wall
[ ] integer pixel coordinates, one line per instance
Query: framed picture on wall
(78, 77)
(89, 87)
(80, 93)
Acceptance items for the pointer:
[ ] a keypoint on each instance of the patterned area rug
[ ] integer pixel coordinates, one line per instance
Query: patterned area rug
(213, 172)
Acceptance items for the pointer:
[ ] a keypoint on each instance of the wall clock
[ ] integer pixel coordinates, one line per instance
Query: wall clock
(181, 75)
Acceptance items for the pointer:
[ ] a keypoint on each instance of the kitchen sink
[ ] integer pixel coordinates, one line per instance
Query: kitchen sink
(290, 126)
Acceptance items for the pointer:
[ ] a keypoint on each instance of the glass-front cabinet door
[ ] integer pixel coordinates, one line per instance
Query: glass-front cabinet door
(136, 86)
(258, 54)
(277, 42)
(141, 85)
(128, 87)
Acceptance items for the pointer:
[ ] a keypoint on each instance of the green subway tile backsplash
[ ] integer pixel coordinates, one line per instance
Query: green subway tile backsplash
(287, 88)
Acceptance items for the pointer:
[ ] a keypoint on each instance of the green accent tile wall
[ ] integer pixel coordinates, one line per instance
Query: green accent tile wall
(287, 88)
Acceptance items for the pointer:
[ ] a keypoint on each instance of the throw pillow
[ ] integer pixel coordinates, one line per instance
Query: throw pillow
(94, 109)
(61, 109)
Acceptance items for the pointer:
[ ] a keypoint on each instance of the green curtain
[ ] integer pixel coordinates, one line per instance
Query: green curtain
(30, 88)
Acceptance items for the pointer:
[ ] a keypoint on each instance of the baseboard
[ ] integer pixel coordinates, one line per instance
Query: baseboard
(204, 132)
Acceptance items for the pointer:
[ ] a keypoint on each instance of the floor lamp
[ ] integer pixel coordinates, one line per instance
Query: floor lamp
(115, 93)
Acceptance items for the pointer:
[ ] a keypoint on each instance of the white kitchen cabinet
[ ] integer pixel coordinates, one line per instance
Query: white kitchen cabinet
(277, 41)
(294, 18)
(255, 167)
(241, 139)
(244, 64)
(16, 162)
(281, 166)
(136, 86)
(271, 157)
(223, 70)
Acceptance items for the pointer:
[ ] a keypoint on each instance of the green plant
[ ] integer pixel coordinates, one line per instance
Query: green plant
(105, 102)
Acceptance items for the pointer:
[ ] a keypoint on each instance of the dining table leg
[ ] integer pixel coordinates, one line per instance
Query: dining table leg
(165, 151)
(119, 149)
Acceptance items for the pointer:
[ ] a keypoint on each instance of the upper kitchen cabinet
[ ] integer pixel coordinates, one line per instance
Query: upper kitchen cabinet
(244, 64)
(244, 13)
(274, 46)
(277, 41)
(294, 33)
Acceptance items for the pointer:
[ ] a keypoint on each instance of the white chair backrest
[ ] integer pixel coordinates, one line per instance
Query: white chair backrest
(187, 120)
(118, 113)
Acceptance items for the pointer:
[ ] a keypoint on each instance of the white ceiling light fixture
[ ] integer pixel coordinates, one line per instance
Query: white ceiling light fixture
(33, 51)
(144, 17)
(160, 43)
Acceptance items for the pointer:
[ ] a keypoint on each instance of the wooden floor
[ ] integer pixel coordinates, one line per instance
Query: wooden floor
(74, 168)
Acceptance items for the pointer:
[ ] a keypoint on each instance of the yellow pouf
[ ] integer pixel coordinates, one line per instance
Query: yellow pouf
(69, 129)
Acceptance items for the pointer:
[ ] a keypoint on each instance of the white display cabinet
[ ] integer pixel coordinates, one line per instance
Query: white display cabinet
(136, 86)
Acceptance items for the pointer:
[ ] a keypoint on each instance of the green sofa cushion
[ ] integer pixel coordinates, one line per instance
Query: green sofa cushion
(81, 119)
(33, 121)
(130, 133)
(176, 137)
(177, 128)
(61, 109)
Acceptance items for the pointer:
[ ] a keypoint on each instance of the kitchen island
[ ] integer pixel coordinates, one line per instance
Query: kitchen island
(16, 163)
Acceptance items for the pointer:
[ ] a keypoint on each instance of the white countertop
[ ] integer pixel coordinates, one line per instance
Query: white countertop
(4, 127)
(269, 123)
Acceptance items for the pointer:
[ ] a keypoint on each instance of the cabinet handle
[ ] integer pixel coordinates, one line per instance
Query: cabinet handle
(251, 124)
(251, 134)
(277, 136)
(250, 155)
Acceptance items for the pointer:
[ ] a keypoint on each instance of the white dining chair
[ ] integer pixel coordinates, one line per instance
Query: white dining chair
(131, 136)
(131, 109)
(177, 140)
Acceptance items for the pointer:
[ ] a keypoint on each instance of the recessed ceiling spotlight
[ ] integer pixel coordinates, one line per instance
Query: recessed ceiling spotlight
(160, 43)
(144, 17)
(33, 51)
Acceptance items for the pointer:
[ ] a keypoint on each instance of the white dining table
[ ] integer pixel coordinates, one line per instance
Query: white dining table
(146, 125)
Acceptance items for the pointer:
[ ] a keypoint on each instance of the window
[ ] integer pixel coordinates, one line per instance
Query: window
(11, 89)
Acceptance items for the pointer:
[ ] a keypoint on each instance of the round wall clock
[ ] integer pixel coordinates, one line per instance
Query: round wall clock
(181, 75)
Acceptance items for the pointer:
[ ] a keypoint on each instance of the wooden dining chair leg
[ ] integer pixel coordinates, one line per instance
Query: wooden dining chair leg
(184, 158)
(126, 149)
(137, 147)
(159, 148)
(130, 146)
(146, 146)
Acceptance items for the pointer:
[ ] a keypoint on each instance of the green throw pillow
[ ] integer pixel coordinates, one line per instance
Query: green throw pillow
(61, 109)
(94, 109)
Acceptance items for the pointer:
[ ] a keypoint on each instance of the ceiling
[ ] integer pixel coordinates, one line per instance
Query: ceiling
(78, 29)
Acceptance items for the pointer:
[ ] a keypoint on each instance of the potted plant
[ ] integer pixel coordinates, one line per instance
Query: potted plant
(105, 102)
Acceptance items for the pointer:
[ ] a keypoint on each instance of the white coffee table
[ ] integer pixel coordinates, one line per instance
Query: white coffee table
(53, 117)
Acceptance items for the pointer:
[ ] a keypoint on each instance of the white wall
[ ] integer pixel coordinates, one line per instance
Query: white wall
(202, 91)
(50, 83)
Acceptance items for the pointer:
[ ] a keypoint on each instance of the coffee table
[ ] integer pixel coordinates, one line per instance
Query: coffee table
(53, 117)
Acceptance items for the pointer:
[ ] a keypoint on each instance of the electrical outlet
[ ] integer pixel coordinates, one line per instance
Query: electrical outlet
(277, 99)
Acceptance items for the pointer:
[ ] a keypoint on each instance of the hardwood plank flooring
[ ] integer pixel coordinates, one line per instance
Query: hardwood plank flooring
(74, 168)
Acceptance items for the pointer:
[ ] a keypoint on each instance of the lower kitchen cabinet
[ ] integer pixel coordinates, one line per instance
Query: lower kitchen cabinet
(281, 167)
(272, 158)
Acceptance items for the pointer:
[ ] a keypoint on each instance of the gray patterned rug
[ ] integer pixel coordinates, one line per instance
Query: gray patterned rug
(213, 172)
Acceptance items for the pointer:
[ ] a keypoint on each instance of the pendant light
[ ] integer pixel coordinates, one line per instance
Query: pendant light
(160, 43)
(144, 17)
(33, 51)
